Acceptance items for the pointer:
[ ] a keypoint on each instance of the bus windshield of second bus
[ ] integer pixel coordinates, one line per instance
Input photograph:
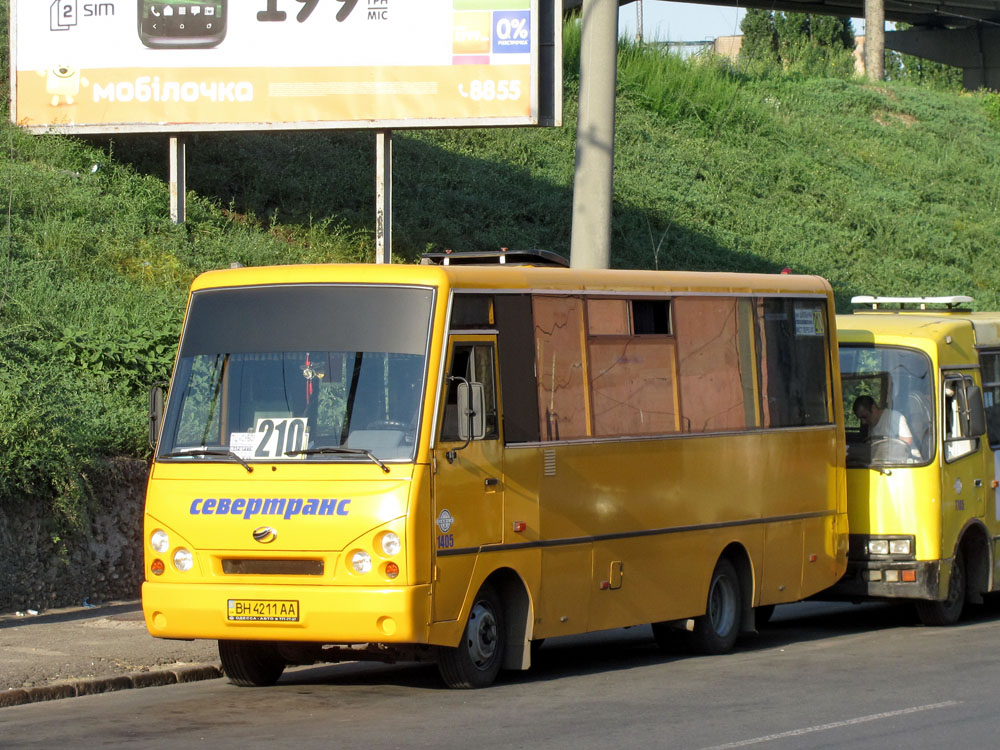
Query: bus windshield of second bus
(888, 405)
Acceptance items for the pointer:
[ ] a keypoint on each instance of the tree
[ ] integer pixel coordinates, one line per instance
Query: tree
(760, 40)
(814, 44)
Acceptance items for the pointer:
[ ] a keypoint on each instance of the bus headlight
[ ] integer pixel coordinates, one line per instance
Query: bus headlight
(390, 544)
(361, 561)
(899, 547)
(159, 541)
(878, 547)
(183, 560)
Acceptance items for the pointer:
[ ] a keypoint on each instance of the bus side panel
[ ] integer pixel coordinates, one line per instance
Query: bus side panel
(781, 575)
(825, 552)
(662, 578)
(564, 603)
(663, 511)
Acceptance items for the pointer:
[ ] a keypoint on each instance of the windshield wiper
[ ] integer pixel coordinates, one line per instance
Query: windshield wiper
(348, 451)
(206, 452)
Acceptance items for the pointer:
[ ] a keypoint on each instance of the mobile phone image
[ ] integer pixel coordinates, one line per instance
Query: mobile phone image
(182, 23)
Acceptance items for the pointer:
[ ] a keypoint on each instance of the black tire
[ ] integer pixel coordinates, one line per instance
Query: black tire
(948, 611)
(251, 663)
(476, 661)
(715, 632)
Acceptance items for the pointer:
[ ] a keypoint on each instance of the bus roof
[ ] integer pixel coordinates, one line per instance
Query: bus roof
(521, 277)
(925, 324)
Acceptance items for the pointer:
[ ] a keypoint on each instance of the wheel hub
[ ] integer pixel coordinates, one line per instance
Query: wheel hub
(482, 640)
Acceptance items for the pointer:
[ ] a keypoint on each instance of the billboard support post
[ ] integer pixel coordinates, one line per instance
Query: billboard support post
(383, 196)
(178, 179)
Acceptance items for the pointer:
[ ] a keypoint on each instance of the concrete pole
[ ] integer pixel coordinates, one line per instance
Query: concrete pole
(875, 39)
(593, 182)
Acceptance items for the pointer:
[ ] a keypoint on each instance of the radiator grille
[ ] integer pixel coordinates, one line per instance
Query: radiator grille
(237, 567)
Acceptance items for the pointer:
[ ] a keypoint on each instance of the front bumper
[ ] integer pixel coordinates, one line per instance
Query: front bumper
(326, 614)
(866, 579)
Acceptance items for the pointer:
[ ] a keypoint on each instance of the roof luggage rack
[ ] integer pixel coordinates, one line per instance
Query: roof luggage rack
(919, 303)
(503, 256)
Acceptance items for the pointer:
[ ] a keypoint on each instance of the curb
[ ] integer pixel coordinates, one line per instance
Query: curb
(188, 673)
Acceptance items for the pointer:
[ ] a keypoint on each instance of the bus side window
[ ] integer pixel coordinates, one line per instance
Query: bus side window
(990, 368)
(474, 363)
(956, 442)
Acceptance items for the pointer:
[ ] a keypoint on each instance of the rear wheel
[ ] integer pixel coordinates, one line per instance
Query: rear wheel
(251, 663)
(947, 612)
(476, 661)
(715, 632)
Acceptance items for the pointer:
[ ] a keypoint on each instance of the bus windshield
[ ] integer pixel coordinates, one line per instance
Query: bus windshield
(888, 406)
(300, 373)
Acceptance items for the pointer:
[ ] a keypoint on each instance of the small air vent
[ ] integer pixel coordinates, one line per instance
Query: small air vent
(233, 567)
(550, 462)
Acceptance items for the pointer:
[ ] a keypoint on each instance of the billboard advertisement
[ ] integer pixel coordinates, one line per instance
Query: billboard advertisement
(190, 65)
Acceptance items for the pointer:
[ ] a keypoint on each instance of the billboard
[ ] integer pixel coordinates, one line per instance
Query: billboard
(195, 65)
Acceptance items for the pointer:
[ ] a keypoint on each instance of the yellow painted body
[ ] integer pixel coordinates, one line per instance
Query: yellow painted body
(600, 533)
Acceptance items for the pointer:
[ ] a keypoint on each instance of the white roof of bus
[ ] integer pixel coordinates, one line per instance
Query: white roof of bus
(921, 301)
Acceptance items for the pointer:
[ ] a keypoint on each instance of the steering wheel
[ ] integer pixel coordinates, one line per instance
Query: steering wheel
(890, 449)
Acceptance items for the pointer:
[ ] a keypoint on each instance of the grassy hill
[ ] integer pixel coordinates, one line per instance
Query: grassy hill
(882, 189)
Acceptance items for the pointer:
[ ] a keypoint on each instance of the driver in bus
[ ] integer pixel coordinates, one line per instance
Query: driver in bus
(882, 423)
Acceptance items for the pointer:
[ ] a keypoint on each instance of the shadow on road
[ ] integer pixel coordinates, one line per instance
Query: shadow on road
(631, 648)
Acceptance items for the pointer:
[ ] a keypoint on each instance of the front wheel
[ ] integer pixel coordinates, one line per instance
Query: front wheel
(947, 612)
(715, 632)
(251, 663)
(476, 661)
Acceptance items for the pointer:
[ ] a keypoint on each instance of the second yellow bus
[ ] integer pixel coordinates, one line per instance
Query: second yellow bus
(921, 379)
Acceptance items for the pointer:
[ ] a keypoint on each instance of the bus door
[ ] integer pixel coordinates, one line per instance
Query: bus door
(468, 479)
(964, 473)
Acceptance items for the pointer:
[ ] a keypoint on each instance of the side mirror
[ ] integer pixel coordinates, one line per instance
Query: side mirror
(155, 413)
(471, 411)
(975, 411)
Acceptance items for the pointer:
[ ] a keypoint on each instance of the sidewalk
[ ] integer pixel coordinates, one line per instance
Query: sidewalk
(83, 651)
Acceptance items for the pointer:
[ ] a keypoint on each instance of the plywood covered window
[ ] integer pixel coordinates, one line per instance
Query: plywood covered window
(632, 381)
(563, 407)
(632, 367)
(716, 363)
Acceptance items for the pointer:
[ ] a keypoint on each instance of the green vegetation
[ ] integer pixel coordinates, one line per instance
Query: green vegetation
(809, 44)
(889, 189)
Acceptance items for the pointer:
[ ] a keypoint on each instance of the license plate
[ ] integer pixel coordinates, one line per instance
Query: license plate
(262, 610)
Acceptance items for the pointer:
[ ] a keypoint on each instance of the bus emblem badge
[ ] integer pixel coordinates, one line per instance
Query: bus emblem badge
(445, 520)
(264, 534)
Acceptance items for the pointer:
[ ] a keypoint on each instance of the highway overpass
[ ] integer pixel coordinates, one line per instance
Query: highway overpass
(963, 33)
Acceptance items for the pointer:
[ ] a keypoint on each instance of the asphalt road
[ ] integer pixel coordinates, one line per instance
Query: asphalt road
(820, 676)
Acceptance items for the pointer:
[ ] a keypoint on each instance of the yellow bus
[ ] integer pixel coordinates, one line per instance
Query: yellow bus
(921, 380)
(452, 461)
